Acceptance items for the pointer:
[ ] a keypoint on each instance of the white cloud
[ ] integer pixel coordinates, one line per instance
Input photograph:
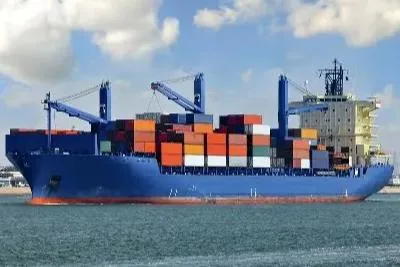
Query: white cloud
(387, 97)
(361, 23)
(246, 75)
(241, 11)
(35, 35)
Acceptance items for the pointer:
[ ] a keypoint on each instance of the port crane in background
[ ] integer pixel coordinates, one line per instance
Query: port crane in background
(197, 106)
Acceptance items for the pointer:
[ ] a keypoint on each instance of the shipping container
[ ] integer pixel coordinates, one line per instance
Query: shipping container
(193, 149)
(171, 148)
(259, 151)
(202, 128)
(188, 138)
(237, 150)
(138, 147)
(258, 129)
(171, 160)
(144, 137)
(305, 163)
(296, 153)
(322, 164)
(216, 138)
(259, 140)
(216, 150)
(144, 126)
(297, 144)
(237, 139)
(105, 147)
(241, 119)
(155, 116)
(259, 162)
(216, 161)
(319, 154)
(321, 147)
(194, 160)
(193, 118)
(176, 118)
(237, 161)
(304, 133)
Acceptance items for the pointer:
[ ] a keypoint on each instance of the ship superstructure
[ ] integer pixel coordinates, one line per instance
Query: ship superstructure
(348, 125)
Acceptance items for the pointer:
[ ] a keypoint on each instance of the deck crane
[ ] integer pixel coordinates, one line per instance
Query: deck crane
(284, 110)
(197, 106)
(59, 106)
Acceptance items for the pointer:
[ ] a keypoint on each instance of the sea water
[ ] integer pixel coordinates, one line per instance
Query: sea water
(360, 234)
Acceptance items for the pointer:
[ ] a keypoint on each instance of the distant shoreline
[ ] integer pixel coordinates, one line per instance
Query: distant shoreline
(18, 191)
(15, 191)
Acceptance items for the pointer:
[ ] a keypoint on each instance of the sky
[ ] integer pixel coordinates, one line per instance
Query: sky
(241, 46)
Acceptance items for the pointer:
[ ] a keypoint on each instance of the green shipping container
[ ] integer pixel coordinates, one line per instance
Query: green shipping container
(105, 146)
(260, 151)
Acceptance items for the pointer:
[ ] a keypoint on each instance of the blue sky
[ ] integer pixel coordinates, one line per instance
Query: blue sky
(233, 38)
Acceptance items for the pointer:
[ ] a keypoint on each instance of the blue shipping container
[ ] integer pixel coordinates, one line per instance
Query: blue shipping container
(199, 118)
(319, 154)
(320, 164)
(177, 118)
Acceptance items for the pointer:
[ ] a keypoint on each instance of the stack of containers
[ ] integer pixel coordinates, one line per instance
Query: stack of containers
(238, 123)
(201, 123)
(170, 154)
(144, 136)
(297, 153)
(304, 133)
(259, 146)
(193, 148)
(215, 149)
(237, 150)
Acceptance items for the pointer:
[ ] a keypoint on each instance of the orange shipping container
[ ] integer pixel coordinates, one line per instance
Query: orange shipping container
(216, 150)
(171, 148)
(149, 147)
(193, 149)
(203, 128)
(144, 126)
(192, 138)
(144, 137)
(298, 144)
(139, 147)
(216, 138)
(237, 150)
(171, 160)
(260, 140)
(252, 119)
(237, 139)
(301, 154)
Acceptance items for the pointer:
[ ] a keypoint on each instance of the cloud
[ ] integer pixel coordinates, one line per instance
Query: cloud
(35, 35)
(246, 75)
(361, 23)
(241, 11)
(387, 97)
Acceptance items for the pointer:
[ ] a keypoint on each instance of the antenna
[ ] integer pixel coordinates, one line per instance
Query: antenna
(334, 79)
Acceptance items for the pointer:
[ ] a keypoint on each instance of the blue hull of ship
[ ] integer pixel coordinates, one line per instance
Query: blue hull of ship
(116, 177)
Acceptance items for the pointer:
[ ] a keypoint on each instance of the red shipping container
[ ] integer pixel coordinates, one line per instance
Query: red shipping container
(296, 163)
(188, 138)
(162, 137)
(216, 138)
(119, 136)
(237, 150)
(244, 119)
(216, 150)
(237, 139)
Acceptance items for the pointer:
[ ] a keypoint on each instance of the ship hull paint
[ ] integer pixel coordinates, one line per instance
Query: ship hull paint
(194, 200)
(116, 179)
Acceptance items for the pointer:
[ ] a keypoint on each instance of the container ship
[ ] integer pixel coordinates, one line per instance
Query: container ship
(182, 158)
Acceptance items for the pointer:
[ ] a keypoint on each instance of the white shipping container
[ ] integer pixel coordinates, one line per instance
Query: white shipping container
(260, 129)
(194, 160)
(235, 161)
(260, 162)
(305, 163)
(216, 161)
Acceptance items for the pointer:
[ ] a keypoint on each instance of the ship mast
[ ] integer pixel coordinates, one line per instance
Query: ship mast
(334, 79)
